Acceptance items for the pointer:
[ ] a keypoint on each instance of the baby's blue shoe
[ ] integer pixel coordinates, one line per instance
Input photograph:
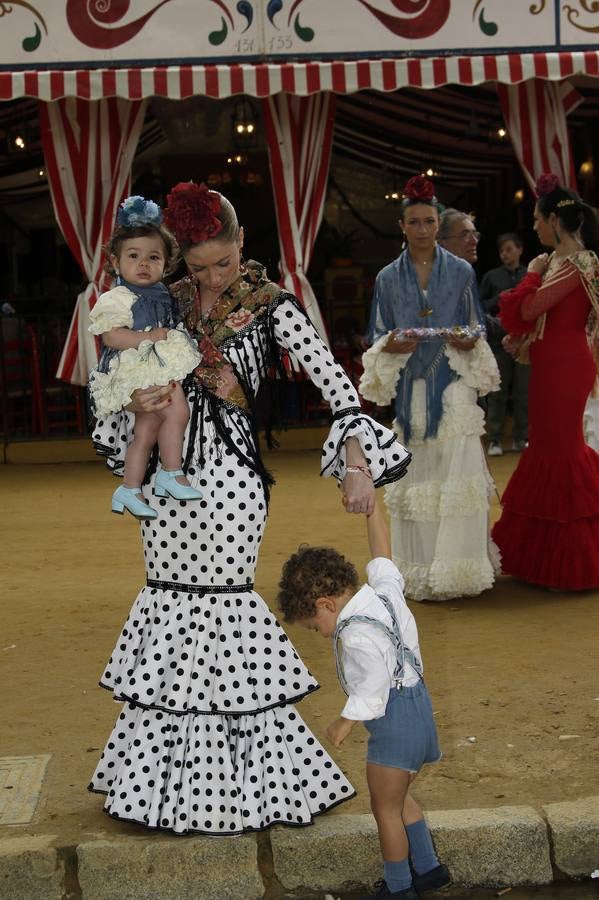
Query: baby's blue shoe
(166, 483)
(126, 498)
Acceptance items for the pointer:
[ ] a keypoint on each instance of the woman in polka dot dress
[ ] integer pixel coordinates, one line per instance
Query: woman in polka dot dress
(208, 739)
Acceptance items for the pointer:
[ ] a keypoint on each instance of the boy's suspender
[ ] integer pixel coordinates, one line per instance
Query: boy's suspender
(403, 654)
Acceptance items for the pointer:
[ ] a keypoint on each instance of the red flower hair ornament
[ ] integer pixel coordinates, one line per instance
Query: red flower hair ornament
(191, 213)
(419, 188)
(546, 184)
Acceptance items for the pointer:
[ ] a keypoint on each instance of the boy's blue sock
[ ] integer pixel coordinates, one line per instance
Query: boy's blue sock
(397, 875)
(422, 852)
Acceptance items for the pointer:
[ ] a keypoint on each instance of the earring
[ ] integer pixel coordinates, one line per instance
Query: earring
(242, 265)
(556, 236)
(118, 277)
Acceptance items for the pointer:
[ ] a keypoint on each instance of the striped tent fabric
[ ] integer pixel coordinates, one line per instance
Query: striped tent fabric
(88, 150)
(300, 138)
(301, 78)
(535, 114)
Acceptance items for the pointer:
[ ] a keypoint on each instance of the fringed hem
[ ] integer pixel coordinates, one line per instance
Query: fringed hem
(462, 417)
(387, 459)
(381, 373)
(477, 367)
(430, 501)
(446, 579)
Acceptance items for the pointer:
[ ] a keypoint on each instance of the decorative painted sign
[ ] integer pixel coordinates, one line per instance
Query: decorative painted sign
(92, 33)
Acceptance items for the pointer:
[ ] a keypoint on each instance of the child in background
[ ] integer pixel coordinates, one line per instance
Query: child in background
(380, 670)
(143, 345)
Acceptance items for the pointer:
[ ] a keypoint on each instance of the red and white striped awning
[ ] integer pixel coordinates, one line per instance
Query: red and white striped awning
(301, 78)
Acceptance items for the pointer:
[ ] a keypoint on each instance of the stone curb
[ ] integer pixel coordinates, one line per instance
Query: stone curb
(574, 830)
(30, 868)
(502, 847)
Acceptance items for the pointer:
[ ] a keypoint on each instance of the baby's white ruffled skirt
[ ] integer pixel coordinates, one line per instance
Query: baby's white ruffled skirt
(148, 365)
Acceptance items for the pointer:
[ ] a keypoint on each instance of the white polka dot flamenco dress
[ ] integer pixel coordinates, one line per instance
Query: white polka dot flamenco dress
(209, 739)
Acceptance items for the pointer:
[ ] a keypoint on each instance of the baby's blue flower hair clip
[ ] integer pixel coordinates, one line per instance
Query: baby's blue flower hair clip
(136, 211)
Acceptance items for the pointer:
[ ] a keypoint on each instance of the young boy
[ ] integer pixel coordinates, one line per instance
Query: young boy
(380, 670)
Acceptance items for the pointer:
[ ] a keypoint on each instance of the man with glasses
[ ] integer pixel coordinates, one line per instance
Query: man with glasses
(458, 234)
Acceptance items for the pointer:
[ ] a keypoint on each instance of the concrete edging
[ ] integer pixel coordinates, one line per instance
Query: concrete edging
(501, 847)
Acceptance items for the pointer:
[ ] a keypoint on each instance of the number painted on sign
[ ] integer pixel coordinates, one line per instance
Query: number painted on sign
(280, 42)
(245, 45)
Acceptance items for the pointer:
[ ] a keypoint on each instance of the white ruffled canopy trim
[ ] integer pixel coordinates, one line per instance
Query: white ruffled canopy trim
(430, 501)
(381, 373)
(112, 310)
(478, 367)
(446, 579)
(387, 459)
(150, 364)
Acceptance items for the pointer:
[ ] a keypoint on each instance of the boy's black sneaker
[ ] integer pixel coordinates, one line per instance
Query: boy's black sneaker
(434, 880)
(383, 893)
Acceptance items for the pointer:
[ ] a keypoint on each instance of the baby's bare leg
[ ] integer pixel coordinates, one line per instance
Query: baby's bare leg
(174, 421)
(147, 425)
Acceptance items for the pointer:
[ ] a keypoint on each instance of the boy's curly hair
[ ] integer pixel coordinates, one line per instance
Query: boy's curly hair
(310, 573)
(124, 233)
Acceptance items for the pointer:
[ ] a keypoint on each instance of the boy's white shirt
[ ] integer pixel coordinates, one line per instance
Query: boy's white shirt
(368, 656)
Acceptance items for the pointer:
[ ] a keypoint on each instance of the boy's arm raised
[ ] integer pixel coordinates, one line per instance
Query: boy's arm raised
(378, 533)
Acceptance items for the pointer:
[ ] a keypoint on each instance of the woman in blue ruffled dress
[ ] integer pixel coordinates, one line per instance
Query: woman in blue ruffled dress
(209, 739)
(431, 360)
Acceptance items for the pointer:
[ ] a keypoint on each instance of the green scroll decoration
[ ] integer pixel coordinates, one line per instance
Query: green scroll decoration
(488, 28)
(29, 44)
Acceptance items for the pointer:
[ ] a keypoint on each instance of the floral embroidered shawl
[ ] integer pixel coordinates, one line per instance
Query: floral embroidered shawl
(235, 312)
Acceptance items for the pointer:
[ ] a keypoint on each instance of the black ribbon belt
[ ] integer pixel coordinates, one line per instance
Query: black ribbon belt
(200, 589)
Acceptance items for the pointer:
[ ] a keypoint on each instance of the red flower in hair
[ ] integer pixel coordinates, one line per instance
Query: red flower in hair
(546, 183)
(191, 213)
(419, 188)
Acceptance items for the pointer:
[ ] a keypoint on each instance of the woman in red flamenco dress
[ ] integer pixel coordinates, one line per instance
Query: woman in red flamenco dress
(548, 533)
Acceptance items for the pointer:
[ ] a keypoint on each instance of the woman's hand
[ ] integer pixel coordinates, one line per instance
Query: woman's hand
(539, 264)
(512, 344)
(339, 730)
(357, 487)
(151, 399)
(358, 493)
(395, 346)
(461, 343)
(156, 334)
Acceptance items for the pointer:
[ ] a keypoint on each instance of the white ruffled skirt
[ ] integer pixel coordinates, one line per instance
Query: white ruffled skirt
(150, 364)
(440, 510)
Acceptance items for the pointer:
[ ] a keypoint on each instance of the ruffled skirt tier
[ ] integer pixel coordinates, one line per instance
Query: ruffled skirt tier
(439, 511)
(549, 528)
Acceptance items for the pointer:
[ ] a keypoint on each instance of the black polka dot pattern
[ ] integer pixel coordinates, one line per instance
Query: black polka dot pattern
(216, 775)
(206, 741)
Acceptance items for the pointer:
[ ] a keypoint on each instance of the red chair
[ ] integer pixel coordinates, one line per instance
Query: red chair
(20, 393)
(62, 405)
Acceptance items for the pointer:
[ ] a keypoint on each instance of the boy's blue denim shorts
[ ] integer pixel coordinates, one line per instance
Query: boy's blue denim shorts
(406, 736)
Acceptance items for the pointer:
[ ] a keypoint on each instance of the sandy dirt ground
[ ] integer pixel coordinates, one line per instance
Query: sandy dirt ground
(513, 673)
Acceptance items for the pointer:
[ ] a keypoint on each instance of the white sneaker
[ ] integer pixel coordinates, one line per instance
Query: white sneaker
(495, 449)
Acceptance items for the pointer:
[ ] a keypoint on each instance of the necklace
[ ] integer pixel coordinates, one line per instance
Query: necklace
(425, 310)
(204, 315)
